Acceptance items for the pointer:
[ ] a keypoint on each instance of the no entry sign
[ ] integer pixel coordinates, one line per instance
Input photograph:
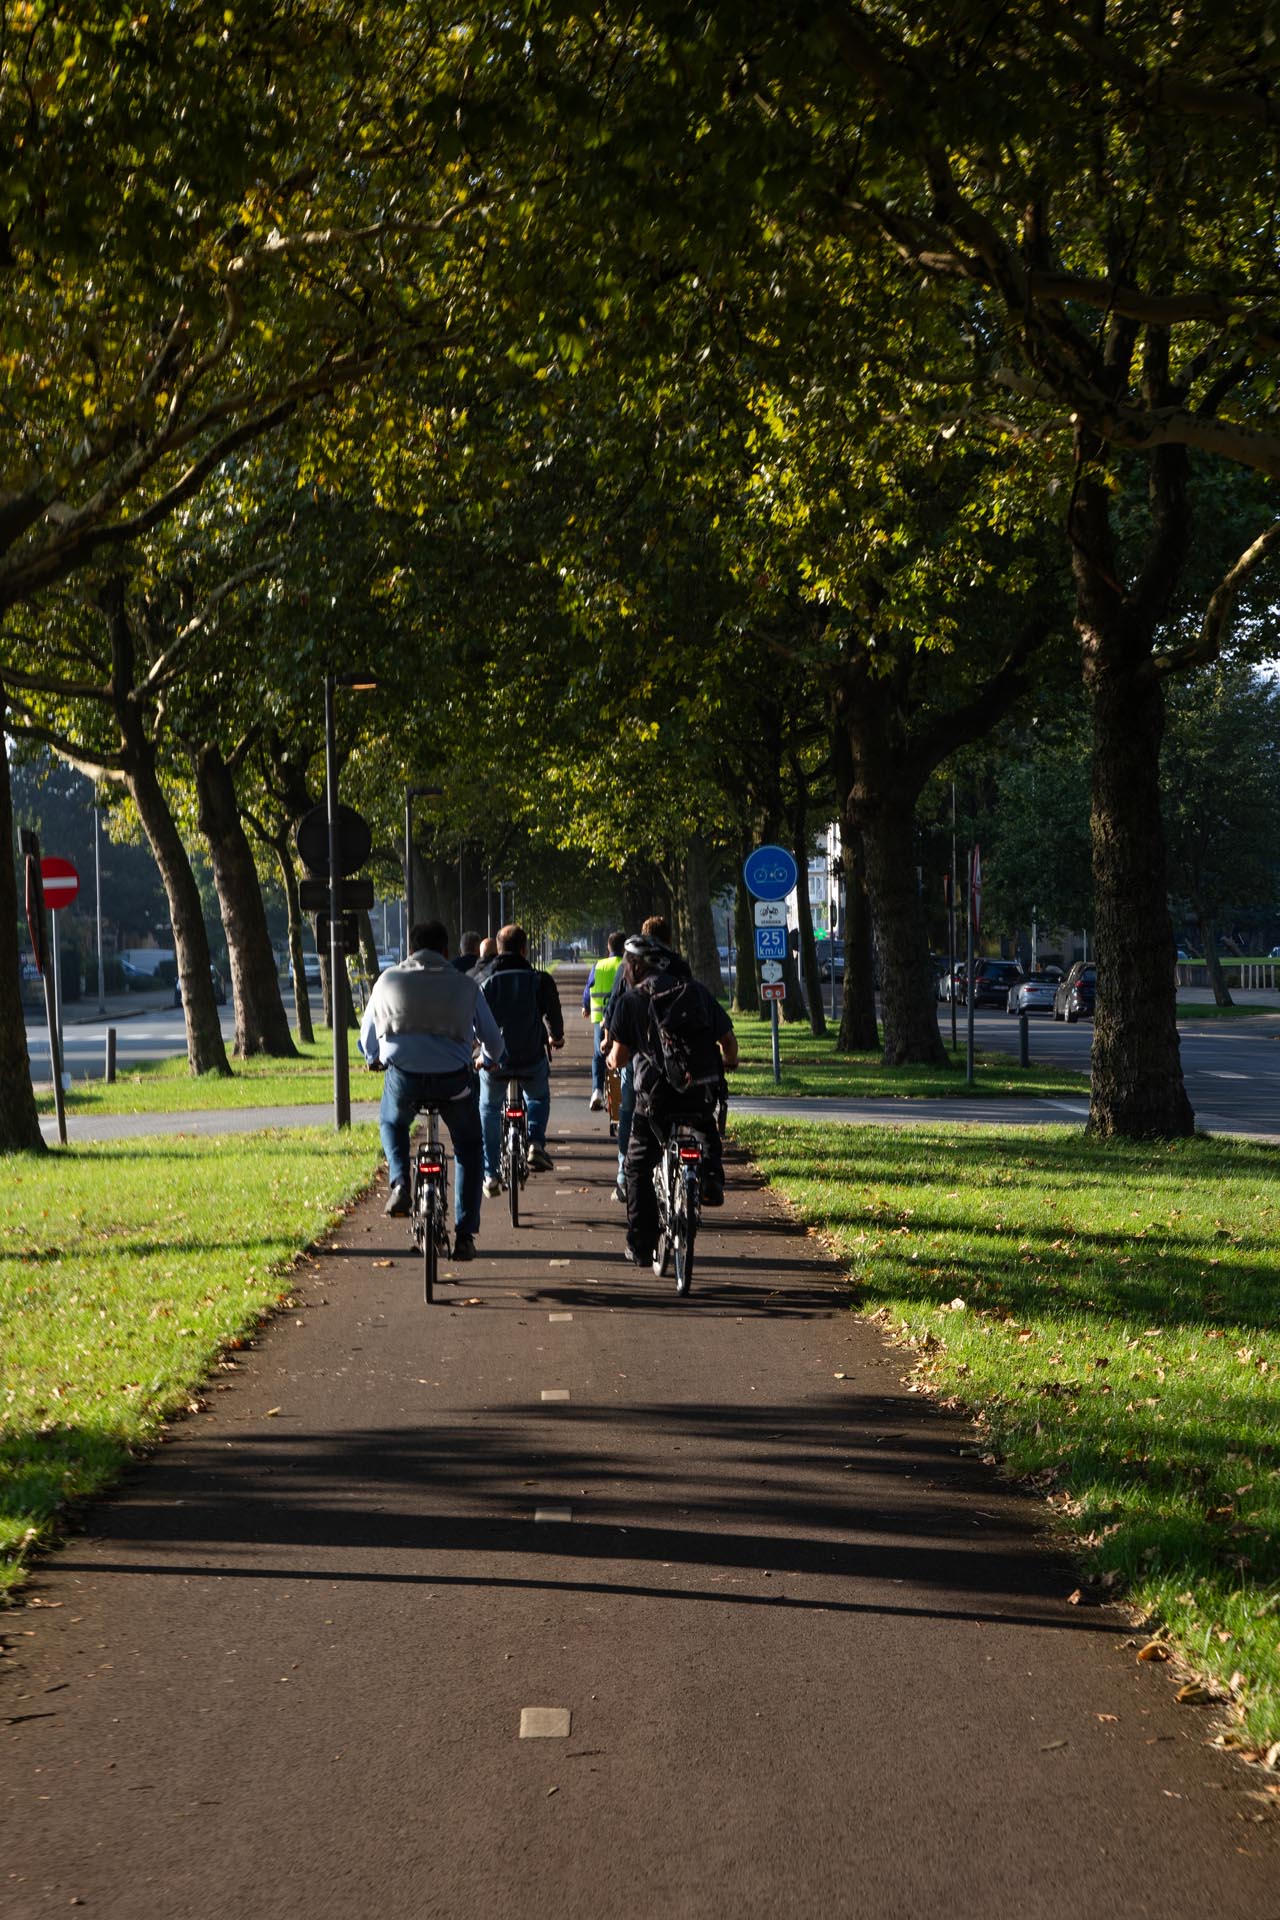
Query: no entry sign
(60, 880)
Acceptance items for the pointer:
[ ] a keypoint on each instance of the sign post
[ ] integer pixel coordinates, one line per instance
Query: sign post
(975, 929)
(35, 901)
(771, 874)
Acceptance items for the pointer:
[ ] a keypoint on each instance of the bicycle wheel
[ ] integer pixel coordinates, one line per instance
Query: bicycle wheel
(683, 1229)
(662, 1252)
(513, 1172)
(430, 1240)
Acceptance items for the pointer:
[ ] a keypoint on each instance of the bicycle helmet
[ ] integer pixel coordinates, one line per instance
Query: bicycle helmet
(647, 955)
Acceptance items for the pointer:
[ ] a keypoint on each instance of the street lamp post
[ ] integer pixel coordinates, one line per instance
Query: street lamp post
(361, 683)
(97, 895)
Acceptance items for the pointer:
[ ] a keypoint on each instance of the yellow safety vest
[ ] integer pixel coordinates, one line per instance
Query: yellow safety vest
(602, 985)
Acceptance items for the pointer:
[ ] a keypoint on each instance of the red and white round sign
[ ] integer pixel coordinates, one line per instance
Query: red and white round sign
(60, 880)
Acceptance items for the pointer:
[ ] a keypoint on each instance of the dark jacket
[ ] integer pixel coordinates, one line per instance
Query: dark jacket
(526, 1005)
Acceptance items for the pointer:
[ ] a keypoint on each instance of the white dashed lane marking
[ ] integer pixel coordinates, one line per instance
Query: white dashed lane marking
(557, 1516)
(559, 1316)
(544, 1723)
(555, 1393)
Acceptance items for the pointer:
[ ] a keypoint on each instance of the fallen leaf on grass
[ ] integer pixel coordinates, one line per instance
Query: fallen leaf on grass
(1273, 1755)
(1154, 1650)
(1194, 1694)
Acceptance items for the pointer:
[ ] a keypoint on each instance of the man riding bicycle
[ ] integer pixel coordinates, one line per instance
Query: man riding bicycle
(421, 1024)
(676, 1032)
(525, 1007)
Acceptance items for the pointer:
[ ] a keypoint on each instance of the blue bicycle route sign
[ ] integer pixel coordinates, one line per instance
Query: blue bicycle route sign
(770, 873)
(771, 943)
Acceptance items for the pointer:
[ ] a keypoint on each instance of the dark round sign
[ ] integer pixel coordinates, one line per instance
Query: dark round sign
(355, 841)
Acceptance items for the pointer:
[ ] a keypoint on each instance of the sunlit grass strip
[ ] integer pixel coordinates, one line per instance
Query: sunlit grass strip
(125, 1270)
(1112, 1312)
(166, 1086)
(813, 1067)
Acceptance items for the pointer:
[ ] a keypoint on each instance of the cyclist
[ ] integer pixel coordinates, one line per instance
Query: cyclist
(421, 1024)
(659, 929)
(525, 1006)
(638, 1027)
(595, 998)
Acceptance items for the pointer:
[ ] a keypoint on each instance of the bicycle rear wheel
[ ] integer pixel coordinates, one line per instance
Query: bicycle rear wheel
(430, 1244)
(683, 1228)
(662, 1252)
(513, 1174)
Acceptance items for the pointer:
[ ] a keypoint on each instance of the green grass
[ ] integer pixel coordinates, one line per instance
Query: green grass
(1243, 1010)
(812, 1066)
(1117, 1332)
(125, 1270)
(166, 1086)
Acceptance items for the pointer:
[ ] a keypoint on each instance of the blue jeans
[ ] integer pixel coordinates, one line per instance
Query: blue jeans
(598, 1068)
(402, 1095)
(536, 1086)
(626, 1113)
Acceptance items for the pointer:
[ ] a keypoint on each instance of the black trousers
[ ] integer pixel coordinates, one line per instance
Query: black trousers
(649, 1131)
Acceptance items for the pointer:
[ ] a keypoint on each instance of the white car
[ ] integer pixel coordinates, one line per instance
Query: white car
(1033, 995)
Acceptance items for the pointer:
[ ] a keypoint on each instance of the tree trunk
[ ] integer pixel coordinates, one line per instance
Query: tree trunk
(859, 1030)
(19, 1122)
(698, 924)
(262, 1026)
(1138, 1091)
(1209, 941)
(908, 996)
(368, 946)
(804, 913)
(297, 966)
(206, 1052)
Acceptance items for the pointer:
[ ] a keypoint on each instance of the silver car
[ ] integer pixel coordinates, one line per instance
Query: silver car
(1032, 995)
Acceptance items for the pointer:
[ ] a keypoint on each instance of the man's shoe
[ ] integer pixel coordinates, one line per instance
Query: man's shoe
(634, 1259)
(492, 1187)
(620, 1192)
(464, 1246)
(397, 1206)
(596, 1103)
(712, 1192)
(539, 1159)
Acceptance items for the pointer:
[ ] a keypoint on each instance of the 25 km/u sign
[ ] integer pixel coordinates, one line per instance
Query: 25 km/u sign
(60, 881)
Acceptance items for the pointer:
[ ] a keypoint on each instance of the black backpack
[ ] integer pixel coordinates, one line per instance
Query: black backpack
(688, 1053)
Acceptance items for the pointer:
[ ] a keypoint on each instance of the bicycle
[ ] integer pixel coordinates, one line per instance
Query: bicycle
(428, 1202)
(515, 1147)
(677, 1181)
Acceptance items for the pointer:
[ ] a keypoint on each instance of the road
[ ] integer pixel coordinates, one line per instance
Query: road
(143, 1033)
(1231, 1069)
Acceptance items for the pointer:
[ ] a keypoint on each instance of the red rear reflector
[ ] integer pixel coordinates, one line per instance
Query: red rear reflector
(431, 1166)
(690, 1153)
(515, 1113)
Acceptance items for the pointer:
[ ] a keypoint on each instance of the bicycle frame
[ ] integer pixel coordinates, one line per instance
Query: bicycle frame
(677, 1180)
(515, 1147)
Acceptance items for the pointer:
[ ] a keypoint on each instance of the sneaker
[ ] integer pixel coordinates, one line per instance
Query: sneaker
(539, 1159)
(620, 1192)
(492, 1187)
(464, 1246)
(634, 1259)
(596, 1103)
(397, 1206)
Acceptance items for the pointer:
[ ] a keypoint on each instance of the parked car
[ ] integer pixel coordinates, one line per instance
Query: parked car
(1033, 994)
(311, 969)
(1076, 994)
(219, 989)
(951, 985)
(827, 955)
(992, 980)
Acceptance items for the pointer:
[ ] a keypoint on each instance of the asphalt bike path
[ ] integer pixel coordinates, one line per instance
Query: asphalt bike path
(567, 1597)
